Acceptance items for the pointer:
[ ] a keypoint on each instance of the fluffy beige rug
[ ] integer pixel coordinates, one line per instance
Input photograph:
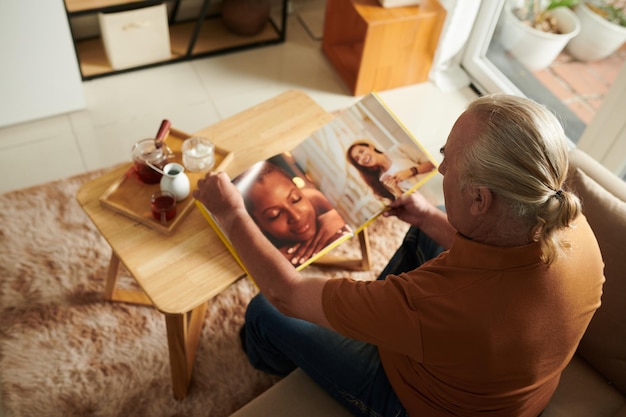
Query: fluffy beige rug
(64, 351)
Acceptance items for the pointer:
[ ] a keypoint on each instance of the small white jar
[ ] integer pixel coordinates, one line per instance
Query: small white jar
(175, 181)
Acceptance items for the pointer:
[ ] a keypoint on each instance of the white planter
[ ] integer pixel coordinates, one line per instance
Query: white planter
(598, 38)
(534, 48)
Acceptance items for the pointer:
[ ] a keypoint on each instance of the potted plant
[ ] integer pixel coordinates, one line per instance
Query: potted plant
(603, 29)
(535, 32)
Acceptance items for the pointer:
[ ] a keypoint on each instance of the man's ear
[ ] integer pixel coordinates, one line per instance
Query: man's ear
(482, 199)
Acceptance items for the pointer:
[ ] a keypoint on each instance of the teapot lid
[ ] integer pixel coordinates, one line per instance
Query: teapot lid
(146, 150)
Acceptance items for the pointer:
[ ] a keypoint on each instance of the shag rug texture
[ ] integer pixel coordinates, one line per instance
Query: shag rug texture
(65, 351)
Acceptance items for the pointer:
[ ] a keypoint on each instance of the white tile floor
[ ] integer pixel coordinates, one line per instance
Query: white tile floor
(124, 108)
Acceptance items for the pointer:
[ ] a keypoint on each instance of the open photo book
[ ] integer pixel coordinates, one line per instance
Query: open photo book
(333, 184)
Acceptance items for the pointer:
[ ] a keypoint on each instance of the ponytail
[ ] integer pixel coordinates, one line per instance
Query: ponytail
(522, 156)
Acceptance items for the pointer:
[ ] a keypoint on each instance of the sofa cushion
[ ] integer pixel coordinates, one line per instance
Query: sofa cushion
(600, 174)
(295, 395)
(604, 343)
(582, 392)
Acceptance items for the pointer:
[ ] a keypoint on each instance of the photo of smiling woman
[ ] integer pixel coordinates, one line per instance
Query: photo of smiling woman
(292, 214)
(390, 173)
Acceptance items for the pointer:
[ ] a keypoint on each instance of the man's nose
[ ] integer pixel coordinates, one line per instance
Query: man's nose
(442, 168)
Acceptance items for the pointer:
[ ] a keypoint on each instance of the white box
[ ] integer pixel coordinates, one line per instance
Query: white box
(136, 37)
(398, 3)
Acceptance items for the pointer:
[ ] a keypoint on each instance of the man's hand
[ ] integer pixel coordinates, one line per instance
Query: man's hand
(412, 208)
(419, 212)
(218, 194)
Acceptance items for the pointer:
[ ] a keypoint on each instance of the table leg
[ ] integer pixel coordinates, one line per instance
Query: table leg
(356, 264)
(112, 293)
(183, 335)
(364, 242)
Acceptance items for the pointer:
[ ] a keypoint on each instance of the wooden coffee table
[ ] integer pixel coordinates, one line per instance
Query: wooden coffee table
(179, 273)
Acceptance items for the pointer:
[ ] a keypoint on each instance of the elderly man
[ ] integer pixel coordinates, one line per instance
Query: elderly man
(479, 310)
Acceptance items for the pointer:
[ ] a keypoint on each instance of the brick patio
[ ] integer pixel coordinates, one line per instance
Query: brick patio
(582, 86)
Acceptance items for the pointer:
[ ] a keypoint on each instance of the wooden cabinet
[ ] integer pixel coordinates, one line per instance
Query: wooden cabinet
(375, 48)
(201, 36)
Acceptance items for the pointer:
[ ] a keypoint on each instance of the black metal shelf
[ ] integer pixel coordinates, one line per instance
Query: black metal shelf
(190, 39)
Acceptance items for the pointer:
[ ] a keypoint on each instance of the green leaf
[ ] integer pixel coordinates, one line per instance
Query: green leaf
(561, 3)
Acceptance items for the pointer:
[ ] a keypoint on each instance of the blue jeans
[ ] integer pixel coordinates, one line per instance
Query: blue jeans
(349, 370)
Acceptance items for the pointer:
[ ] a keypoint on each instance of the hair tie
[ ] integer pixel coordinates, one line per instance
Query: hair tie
(558, 193)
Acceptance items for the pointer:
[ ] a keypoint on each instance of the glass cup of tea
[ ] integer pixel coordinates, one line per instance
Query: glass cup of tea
(146, 157)
(163, 206)
(198, 154)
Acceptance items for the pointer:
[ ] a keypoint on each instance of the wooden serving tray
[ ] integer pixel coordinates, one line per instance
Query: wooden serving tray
(131, 197)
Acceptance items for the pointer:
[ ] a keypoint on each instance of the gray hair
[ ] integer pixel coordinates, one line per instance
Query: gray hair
(521, 155)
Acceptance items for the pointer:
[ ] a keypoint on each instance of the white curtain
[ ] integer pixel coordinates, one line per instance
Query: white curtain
(446, 72)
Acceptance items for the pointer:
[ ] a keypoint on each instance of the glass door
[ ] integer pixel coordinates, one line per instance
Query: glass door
(492, 69)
